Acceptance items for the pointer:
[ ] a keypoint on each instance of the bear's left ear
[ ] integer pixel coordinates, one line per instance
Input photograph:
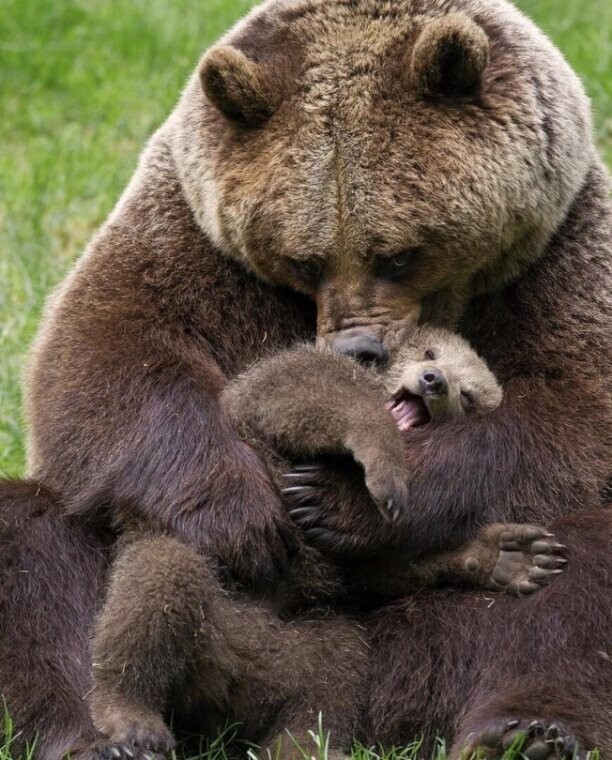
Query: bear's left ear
(240, 88)
(449, 57)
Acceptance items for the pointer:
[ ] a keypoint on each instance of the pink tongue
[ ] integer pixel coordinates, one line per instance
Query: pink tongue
(408, 412)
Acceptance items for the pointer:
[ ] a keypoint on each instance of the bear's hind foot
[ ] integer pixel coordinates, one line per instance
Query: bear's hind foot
(535, 740)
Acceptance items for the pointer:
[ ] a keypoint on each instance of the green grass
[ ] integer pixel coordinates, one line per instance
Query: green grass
(82, 84)
(223, 748)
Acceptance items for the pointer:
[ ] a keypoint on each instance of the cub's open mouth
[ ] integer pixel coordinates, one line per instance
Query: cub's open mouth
(408, 410)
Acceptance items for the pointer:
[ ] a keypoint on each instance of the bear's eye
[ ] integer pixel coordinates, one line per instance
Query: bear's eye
(467, 401)
(307, 270)
(399, 266)
(430, 354)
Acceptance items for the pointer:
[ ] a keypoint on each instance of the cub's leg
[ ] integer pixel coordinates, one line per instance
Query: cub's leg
(518, 559)
(168, 628)
(159, 609)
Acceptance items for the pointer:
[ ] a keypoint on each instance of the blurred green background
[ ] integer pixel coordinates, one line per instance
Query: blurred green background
(82, 84)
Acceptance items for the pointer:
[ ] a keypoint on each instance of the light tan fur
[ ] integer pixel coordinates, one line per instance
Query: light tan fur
(315, 186)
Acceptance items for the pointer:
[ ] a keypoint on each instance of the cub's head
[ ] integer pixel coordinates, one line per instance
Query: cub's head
(390, 160)
(436, 375)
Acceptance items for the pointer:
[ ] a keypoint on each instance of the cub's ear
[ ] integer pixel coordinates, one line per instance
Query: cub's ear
(241, 89)
(449, 57)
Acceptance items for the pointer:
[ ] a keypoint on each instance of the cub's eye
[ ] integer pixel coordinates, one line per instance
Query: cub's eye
(307, 270)
(467, 401)
(430, 354)
(399, 266)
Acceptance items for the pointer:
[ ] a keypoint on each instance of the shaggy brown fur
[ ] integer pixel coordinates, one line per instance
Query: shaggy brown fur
(168, 622)
(170, 635)
(382, 204)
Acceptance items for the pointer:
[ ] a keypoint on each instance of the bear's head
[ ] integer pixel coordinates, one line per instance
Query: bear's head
(390, 158)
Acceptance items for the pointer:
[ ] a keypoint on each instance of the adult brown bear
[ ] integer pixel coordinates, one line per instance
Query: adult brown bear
(392, 162)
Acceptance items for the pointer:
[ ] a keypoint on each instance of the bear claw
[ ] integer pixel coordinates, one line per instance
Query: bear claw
(536, 740)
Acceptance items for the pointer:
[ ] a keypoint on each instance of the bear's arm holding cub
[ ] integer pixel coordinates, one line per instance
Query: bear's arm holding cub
(124, 382)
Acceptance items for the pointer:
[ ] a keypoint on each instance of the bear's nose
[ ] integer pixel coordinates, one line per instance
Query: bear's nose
(433, 381)
(363, 348)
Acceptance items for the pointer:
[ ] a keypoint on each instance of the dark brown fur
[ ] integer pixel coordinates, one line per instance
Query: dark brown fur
(169, 627)
(171, 637)
(171, 301)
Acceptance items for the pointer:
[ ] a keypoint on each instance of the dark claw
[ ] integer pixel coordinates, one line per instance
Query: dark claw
(307, 468)
(321, 537)
(535, 728)
(302, 490)
(298, 513)
(293, 476)
(317, 533)
(553, 731)
(304, 517)
(511, 724)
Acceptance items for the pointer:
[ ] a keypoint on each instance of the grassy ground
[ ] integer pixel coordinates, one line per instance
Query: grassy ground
(84, 82)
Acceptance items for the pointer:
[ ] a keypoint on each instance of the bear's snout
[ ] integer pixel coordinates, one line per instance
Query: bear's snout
(359, 344)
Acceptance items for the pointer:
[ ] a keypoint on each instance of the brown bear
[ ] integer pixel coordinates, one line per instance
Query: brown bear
(171, 636)
(346, 168)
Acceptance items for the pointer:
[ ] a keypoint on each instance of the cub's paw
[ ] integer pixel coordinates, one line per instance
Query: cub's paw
(535, 740)
(134, 734)
(103, 749)
(389, 492)
(529, 558)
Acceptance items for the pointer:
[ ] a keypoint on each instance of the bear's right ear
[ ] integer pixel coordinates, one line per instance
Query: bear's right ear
(449, 57)
(238, 87)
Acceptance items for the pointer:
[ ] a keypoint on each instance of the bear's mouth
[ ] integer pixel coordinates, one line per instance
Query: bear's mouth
(408, 410)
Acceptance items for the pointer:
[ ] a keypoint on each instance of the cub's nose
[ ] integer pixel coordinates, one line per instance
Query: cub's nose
(433, 381)
(363, 348)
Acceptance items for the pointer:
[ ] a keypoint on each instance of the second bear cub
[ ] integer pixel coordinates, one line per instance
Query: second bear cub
(171, 632)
